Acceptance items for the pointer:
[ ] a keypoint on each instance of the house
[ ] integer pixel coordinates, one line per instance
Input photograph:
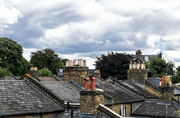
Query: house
(145, 58)
(80, 96)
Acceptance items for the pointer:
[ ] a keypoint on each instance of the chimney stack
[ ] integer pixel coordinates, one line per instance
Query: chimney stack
(33, 72)
(76, 71)
(91, 98)
(166, 90)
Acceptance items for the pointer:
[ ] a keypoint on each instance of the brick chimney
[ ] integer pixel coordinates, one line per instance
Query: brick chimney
(138, 53)
(97, 73)
(76, 71)
(166, 90)
(91, 98)
(33, 72)
(137, 71)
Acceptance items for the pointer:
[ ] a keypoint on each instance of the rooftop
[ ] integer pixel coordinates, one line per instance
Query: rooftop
(65, 90)
(19, 97)
(119, 94)
(138, 88)
(155, 109)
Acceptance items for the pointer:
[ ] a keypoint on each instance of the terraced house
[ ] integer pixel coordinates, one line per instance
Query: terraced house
(76, 95)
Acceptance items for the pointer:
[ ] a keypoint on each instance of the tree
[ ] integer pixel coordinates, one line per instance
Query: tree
(11, 57)
(114, 64)
(45, 72)
(46, 58)
(4, 72)
(176, 77)
(63, 63)
(158, 67)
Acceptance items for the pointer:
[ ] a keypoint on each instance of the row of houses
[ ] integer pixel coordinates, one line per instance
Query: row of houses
(81, 93)
(78, 95)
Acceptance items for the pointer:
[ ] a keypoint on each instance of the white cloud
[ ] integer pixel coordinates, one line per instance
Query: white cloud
(8, 16)
(82, 27)
(27, 53)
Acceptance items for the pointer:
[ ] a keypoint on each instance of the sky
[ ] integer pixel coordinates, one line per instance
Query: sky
(86, 29)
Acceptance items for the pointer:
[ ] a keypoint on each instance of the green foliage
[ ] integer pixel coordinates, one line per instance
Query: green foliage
(175, 78)
(45, 72)
(46, 58)
(114, 64)
(11, 57)
(4, 72)
(159, 67)
(178, 70)
(63, 63)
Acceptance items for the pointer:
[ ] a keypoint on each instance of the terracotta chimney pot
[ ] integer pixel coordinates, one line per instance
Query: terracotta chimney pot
(86, 84)
(93, 83)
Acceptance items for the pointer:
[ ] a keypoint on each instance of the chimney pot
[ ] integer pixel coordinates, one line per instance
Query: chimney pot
(86, 84)
(130, 65)
(84, 63)
(80, 62)
(93, 83)
(162, 80)
(134, 65)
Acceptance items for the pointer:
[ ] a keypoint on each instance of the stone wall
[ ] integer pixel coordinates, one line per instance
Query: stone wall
(76, 73)
(90, 100)
(137, 74)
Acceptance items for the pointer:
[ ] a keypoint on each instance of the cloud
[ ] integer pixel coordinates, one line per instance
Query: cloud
(90, 27)
(8, 17)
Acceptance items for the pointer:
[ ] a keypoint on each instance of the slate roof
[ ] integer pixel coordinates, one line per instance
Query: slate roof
(176, 91)
(7, 78)
(155, 109)
(119, 94)
(138, 88)
(155, 81)
(47, 79)
(146, 58)
(91, 72)
(59, 78)
(65, 90)
(19, 97)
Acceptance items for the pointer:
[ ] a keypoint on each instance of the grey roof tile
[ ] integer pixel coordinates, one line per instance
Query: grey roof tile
(18, 97)
(155, 109)
(47, 79)
(65, 90)
(138, 88)
(119, 94)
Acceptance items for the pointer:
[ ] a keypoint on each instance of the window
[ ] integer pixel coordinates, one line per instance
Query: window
(122, 111)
